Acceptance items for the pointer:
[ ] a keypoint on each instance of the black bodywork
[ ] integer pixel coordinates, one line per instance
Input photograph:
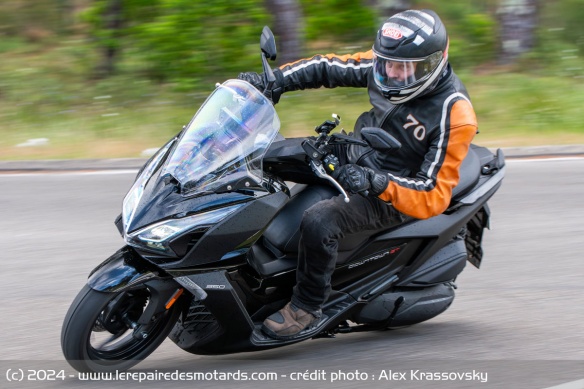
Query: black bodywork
(212, 231)
(243, 269)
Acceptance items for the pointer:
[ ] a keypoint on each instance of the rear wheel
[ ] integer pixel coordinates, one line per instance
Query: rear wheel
(101, 330)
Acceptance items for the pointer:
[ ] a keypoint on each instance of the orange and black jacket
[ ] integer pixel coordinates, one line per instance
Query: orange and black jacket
(435, 129)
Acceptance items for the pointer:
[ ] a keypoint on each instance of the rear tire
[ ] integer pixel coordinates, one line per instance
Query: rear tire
(97, 333)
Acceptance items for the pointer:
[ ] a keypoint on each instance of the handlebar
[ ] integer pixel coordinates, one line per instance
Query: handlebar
(319, 150)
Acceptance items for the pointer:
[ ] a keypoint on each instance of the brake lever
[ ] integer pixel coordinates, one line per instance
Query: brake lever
(341, 139)
(318, 169)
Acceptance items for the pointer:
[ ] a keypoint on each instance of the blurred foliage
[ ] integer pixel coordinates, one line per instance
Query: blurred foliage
(472, 29)
(173, 51)
(20, 18)
(39, 20)
(183, 40)
(565, 16)
(560, 42)
(346, 21)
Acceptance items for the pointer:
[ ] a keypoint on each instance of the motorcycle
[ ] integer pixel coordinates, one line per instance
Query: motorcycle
(211, 226)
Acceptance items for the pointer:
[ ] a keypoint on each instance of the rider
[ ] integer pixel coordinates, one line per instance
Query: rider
(417, 98)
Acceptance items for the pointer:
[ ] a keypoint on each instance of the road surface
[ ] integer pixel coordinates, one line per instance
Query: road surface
(518, 322)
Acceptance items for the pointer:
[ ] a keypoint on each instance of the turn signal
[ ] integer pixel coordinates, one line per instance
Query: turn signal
(174, 297)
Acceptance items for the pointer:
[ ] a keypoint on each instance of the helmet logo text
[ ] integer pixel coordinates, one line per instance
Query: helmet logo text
(392, 32)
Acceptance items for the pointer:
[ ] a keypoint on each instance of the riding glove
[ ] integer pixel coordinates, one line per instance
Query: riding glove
(258, 81)
(253, 78)
(355, 179)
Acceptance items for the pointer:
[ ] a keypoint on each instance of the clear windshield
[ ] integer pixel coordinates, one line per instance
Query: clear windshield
(226, 140)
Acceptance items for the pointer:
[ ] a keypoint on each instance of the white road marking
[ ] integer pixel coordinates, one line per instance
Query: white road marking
(68, 173)
(569, 385)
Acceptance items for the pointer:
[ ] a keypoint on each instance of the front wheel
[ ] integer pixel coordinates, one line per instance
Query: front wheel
(101, 331)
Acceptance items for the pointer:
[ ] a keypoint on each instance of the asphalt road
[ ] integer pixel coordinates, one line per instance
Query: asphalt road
(518, 322)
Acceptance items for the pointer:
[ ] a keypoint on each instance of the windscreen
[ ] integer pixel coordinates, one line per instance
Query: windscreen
(226, 140)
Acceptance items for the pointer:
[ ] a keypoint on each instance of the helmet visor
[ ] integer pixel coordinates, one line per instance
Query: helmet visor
(398, 74)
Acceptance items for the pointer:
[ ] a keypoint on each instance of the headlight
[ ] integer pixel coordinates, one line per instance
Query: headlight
(157, 236)
(133, 197)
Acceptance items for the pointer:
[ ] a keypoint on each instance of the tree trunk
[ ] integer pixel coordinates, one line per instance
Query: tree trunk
(113, 20)
(66, 11)
(517, 24)
(287, 27)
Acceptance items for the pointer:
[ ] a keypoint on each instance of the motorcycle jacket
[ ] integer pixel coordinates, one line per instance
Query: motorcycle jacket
(435, 129)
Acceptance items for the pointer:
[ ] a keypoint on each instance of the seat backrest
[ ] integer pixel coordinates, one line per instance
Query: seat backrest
(470, 172)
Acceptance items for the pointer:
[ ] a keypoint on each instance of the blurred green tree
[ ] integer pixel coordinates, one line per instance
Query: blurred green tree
(565, 17)
(180, 40)
(187, 41)
(345, 21)
(112, 23)
(35, 20)
(472, 29)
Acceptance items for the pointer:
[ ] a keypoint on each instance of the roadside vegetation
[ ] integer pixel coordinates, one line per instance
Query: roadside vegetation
(50, 91)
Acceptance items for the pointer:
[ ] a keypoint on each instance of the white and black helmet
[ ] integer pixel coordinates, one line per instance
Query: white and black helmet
(410, 53)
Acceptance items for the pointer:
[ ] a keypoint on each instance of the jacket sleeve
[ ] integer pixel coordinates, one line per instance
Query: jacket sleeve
(430, 192)
(328, 70)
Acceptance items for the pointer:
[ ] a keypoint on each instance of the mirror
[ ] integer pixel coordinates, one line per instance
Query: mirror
(379, 139)
(268, 43)
(268, 46)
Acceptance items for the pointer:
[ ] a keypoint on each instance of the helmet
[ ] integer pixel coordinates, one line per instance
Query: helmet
(409, 54)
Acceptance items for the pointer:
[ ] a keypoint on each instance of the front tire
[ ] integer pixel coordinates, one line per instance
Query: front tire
(99, 332)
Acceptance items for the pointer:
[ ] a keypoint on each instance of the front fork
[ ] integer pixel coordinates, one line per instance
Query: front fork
(125, 271)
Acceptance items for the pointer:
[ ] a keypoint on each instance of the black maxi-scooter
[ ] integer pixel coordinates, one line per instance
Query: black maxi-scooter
(211, 227)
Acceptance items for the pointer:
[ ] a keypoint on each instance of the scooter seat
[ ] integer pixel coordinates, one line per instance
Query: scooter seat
(278, 246)
(283, 234)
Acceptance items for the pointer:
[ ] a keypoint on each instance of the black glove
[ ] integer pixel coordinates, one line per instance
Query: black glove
(355, 179)
(258, 81)
(253, 78)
